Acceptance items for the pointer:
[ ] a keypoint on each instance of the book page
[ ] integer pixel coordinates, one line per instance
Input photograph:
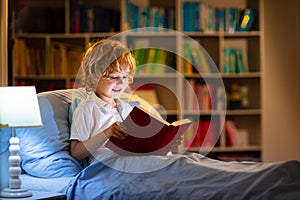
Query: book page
(176, 123)
(180, 122)
(154, 116)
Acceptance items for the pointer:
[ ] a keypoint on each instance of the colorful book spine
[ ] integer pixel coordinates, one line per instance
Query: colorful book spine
(199, 96)
(144, 16)
(204, 17)
(75, 16)
(203, 133)
(187, 62)
(28, 59)
(220, 19)
(235, 137)
(234, 61)
(231, 19)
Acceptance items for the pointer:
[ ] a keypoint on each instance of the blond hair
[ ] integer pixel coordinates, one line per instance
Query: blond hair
(102, 58)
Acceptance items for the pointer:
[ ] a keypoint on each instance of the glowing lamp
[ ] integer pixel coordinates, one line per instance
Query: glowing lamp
(19, 108)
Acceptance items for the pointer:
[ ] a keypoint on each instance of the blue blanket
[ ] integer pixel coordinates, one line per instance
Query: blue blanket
(190, 176)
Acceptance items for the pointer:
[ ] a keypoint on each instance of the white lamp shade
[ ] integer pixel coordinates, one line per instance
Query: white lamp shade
(19, 107)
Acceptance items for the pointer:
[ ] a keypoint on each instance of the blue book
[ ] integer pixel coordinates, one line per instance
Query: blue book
(231, 22)
(134, 16)
(187, 16)
(196, 17)
(220, 19)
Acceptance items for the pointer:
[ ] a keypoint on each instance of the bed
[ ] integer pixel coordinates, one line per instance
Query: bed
(47, 166)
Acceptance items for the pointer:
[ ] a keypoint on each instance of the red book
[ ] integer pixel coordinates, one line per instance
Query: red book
(147, 134)
(204, 125)
(191, 136)
(230, 131)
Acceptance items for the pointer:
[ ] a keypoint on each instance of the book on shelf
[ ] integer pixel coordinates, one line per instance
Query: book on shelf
(231, 19)
(42, 19)
(204, 17)
(198, 17)
(89, 19)
(201, 61)
(220, 19)
(187, 62)
(235, 56)
(196, 58)
(201, 96)
(152, 61)
(20, 57)
(190, 138)
(240, 62)
(234, 61)
(235, 137)
(202, 134)
(58, 59)
(207, 133)
(139, 15)
(147, 134)
(190, 99)
(29, 58)
(140, 54)
(74, 57)
(75, 16)
(64, 59)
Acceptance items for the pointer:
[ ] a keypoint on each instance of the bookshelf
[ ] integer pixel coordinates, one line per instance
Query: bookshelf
(247, 117)
(50, 40)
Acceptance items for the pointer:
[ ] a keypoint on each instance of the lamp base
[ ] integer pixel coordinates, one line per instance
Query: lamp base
(15, 193)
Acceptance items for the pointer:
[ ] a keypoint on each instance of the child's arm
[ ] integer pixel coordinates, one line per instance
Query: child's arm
(82, 149)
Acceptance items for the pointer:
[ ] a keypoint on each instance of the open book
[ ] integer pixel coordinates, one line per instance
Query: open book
(147, 134)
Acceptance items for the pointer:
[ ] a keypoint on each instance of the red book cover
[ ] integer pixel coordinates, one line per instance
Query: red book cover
(147, 134)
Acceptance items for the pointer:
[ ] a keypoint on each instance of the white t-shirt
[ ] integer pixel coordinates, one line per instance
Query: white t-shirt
(93, 115)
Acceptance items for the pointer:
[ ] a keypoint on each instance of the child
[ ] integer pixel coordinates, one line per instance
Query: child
(108, 67)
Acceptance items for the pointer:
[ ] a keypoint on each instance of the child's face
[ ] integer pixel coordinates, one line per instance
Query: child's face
(111, 87)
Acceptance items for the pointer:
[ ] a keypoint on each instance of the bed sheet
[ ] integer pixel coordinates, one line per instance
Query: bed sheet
(56, 185)
(190, 176)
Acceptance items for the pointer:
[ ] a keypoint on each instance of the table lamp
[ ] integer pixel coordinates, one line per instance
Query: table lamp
(19, 108)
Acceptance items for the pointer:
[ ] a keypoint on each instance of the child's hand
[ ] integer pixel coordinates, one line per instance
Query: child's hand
(117, 130)
(175, 145)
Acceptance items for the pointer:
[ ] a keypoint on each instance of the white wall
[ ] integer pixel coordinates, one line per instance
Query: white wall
(281, 103)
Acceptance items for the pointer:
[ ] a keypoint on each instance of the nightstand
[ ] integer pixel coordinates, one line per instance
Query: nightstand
(41, 195)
